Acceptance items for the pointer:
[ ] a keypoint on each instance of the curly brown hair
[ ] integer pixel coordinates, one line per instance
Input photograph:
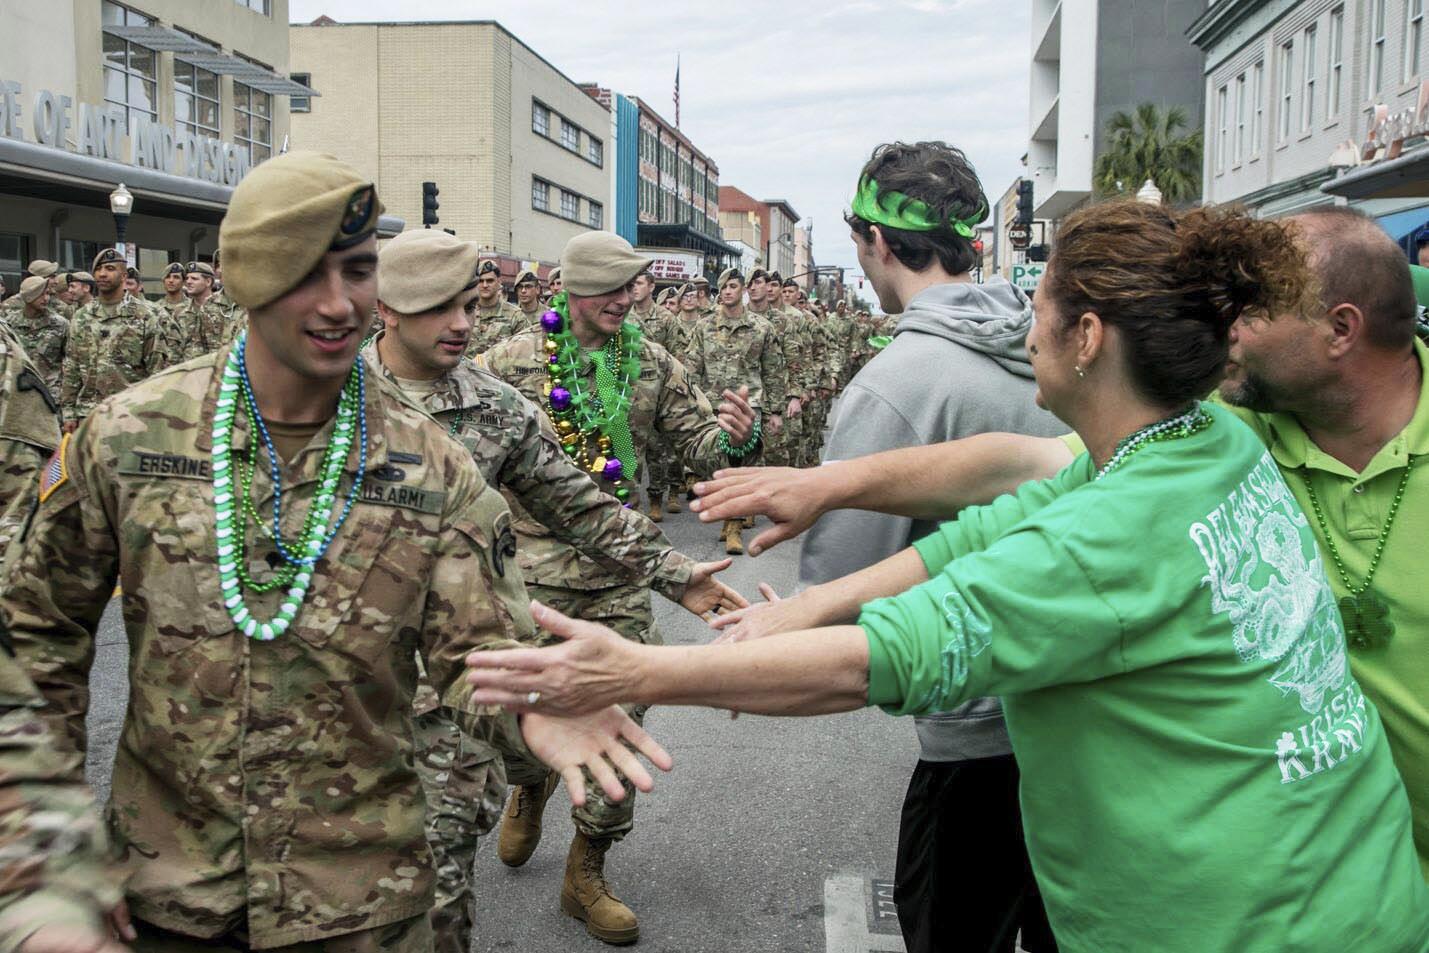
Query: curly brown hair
(1172, 283)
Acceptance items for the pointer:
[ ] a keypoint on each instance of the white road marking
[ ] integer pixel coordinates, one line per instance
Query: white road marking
(847, 900)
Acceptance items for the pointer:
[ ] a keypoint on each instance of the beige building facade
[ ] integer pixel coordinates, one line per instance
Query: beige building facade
(177, 99)
(519, 153)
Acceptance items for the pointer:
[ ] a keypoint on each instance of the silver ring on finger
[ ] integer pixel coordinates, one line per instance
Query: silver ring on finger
(533, 697)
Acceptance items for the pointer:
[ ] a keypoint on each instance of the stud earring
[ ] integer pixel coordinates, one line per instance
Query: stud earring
(1081, 373)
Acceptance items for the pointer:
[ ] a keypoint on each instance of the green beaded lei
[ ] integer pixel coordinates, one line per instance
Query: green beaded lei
(231, 534)
(599, 415)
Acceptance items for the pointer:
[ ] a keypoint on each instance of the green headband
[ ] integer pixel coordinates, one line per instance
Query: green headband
(896, 210)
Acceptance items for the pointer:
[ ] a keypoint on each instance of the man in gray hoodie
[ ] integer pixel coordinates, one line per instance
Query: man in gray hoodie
(956, 367)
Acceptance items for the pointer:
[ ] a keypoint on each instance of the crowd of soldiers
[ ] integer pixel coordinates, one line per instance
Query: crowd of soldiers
(169, 409)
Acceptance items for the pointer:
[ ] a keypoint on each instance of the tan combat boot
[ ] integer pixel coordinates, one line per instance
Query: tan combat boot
(672, 502)
(586, 896)
(732, 543)
(521, 821)
(657, 515)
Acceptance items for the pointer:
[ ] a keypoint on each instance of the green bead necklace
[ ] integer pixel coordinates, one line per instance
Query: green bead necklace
(1365, 613)
(231, 533)
(1172, 428)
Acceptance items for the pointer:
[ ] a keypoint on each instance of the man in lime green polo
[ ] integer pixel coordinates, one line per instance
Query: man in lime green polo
(1341, 400)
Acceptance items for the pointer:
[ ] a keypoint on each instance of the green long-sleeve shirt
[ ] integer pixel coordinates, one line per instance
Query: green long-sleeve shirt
(1201, 772)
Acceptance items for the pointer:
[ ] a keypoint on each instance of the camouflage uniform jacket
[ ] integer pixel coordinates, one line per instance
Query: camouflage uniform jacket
(44, 340)
(190, 331)
(109, 348)
(53, 853)
(685, 337)
(167, 306)
(665, 402)
(745, 350)
(516, 451)
(494, 325)
(654, 324)
(266, 786)
(29, 434)
(794, 340)
(827, 341)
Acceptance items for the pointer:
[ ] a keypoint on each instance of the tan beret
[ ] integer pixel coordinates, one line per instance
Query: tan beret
(284, 216)
(701, 282)
(526, 275)
(489, 267)
(423, 268)
(33, 286)
(82, 276)
(199, 268)
(43, 269)
(555, 275)
(108, 256)
(600, 262)
(727, 274)
(175, 268)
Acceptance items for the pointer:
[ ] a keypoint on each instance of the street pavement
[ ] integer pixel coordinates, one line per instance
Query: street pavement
(769, 835)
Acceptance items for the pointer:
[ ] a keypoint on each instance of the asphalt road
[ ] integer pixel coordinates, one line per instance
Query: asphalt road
(769, 835)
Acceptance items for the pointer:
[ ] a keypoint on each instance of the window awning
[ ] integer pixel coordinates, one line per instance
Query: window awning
(187, 49)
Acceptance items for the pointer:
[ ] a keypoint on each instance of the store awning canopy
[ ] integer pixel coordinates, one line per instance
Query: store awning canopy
(195, 52)
(1405, 176)
(684, 236)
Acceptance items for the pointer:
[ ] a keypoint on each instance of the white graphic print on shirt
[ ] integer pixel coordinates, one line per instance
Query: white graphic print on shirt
(1264, 572)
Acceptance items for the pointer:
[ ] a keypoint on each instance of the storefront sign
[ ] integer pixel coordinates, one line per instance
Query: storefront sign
(669, 265)
(1388, 131)
(98, 131)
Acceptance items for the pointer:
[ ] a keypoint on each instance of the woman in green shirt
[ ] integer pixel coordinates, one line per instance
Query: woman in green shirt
(1201, 773)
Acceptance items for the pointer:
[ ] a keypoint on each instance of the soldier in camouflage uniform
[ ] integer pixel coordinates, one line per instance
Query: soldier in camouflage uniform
(528, 301)
(428, 307)
(81, 290)
(763, 290)
(681, 338)
(598, 268)
(741, 348)
(654, 321)
(174, 297)
(42, 332)
(201, 325)
(497, 318)
(263, 794)
(114, 341)
(56, 881)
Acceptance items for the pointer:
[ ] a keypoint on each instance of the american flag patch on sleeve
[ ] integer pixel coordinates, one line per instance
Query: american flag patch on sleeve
(55, 474)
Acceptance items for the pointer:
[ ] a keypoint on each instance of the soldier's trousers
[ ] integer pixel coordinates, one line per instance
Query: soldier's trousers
(626, 609)
(412, 935)
(665, 473)
(464, 781)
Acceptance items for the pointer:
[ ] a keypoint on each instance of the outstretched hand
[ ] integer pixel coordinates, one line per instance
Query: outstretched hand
(787, 496)
(600, 743)
(706, 596)
(736, 416)
(771, 617)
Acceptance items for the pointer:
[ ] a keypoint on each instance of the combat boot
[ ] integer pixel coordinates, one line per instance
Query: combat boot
(521, 821)
(672, 502)
(586, 896)
(732, 543)
(657, 515)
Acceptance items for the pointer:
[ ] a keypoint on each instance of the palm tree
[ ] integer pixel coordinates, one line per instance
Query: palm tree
(1150, 145)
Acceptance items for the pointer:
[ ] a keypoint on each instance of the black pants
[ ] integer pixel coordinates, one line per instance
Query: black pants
(963, 883)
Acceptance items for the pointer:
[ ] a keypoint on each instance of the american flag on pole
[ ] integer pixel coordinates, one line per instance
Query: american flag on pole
(677, 90)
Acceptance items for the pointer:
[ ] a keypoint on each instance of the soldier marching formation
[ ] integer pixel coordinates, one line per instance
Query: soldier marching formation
(301, 761)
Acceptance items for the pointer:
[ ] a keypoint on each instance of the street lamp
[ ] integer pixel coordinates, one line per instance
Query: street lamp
(121, 203)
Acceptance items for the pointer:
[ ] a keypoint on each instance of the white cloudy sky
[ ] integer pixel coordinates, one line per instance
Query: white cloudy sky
(787, 98)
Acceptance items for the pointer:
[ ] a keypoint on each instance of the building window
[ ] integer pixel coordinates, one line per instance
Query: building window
(1413, 37)
(570, 205)
(596, 217)
(301, 104)
(595, 150)
(1224, 133)
(129, 69)
(1238, 152)
(570, 136)
(540, 119)
(1337, 44)
(264, 7)
(253, 121)
(195, 99)
(14, 258)
(1307, 107)
(1257, 117)
(649, 147)
(1287, 80)
(1376, 47)
(540, 195)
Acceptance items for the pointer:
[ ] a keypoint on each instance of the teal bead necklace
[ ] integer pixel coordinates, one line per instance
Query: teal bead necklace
(236, 392)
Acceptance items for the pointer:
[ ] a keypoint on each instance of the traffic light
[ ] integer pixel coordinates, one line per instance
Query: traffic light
(977, 246)
(1024, 201)
(429, 204)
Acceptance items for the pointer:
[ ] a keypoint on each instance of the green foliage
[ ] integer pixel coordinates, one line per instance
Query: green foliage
(1150, 144)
